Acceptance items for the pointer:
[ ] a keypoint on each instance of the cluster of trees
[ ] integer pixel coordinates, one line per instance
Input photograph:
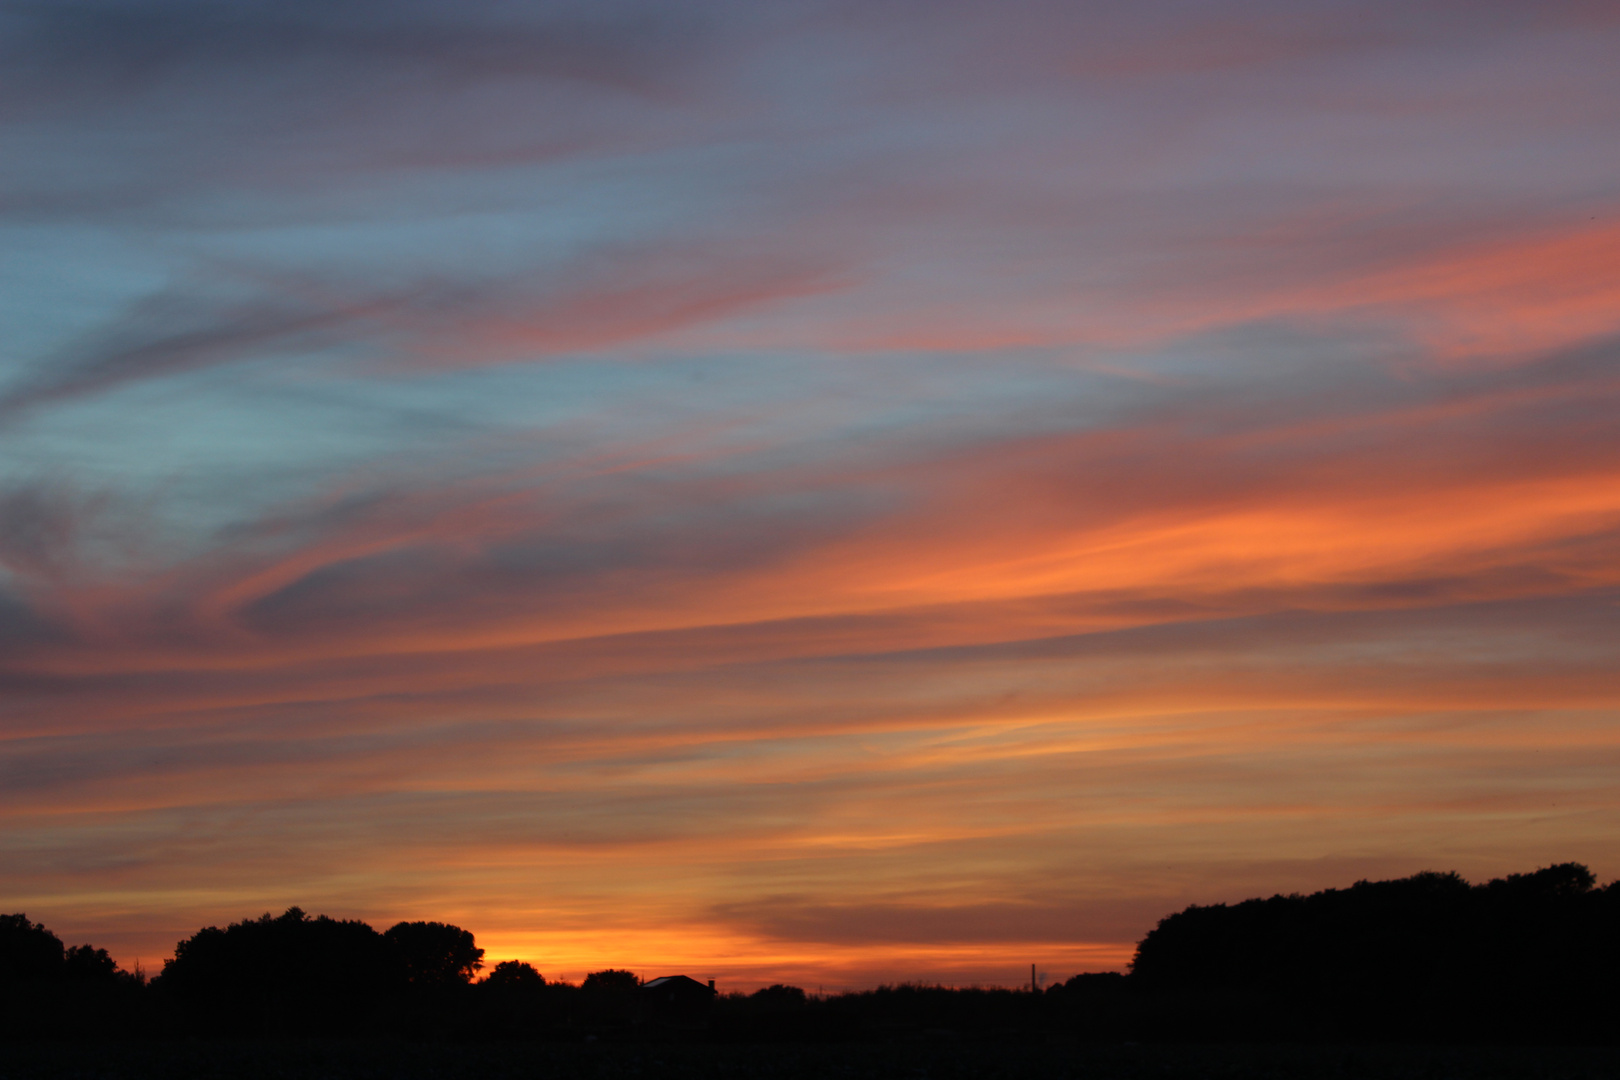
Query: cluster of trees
(49, 988)
(1528, 957)
(294, 973)
(1531, 955)
(31, 954)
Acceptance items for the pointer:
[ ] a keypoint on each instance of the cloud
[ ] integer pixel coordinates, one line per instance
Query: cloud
(39, 530)
(120, 40)
(1075, 920)
(166, 335)
(22, 627)
(1448, 486)
(953, 783)
(618, 298)
(839, 490)
(307, 72)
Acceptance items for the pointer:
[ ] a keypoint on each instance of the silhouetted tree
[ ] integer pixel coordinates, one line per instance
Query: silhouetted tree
(514, 1001)
(1527, 956)
(47, 990)
(28, 951)
(434, 953)
(778, 997)
(514, 975)
(286, 973)
(88, 964)
(610, 998)
(610, 980)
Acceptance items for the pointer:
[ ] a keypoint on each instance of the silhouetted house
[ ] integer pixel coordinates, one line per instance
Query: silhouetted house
(677, 998)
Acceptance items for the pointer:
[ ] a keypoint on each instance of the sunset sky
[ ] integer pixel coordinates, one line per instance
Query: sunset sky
(833, 493)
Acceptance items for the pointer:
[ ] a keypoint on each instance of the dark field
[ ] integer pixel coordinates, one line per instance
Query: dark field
(939, 1060)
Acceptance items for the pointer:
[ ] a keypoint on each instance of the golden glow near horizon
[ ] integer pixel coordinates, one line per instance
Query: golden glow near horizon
(942, 517)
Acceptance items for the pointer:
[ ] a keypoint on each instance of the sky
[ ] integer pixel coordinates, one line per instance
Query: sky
(817, 492)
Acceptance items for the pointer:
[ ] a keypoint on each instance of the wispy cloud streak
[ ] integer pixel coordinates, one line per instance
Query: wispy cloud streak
(806, 492)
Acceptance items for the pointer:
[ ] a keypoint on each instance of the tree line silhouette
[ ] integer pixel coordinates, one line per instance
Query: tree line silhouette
(1530, 957)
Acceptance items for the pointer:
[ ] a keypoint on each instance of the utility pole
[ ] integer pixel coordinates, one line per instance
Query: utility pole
(1032, 980)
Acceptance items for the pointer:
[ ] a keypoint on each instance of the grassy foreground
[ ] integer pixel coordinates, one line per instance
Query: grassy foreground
(939, 1060)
